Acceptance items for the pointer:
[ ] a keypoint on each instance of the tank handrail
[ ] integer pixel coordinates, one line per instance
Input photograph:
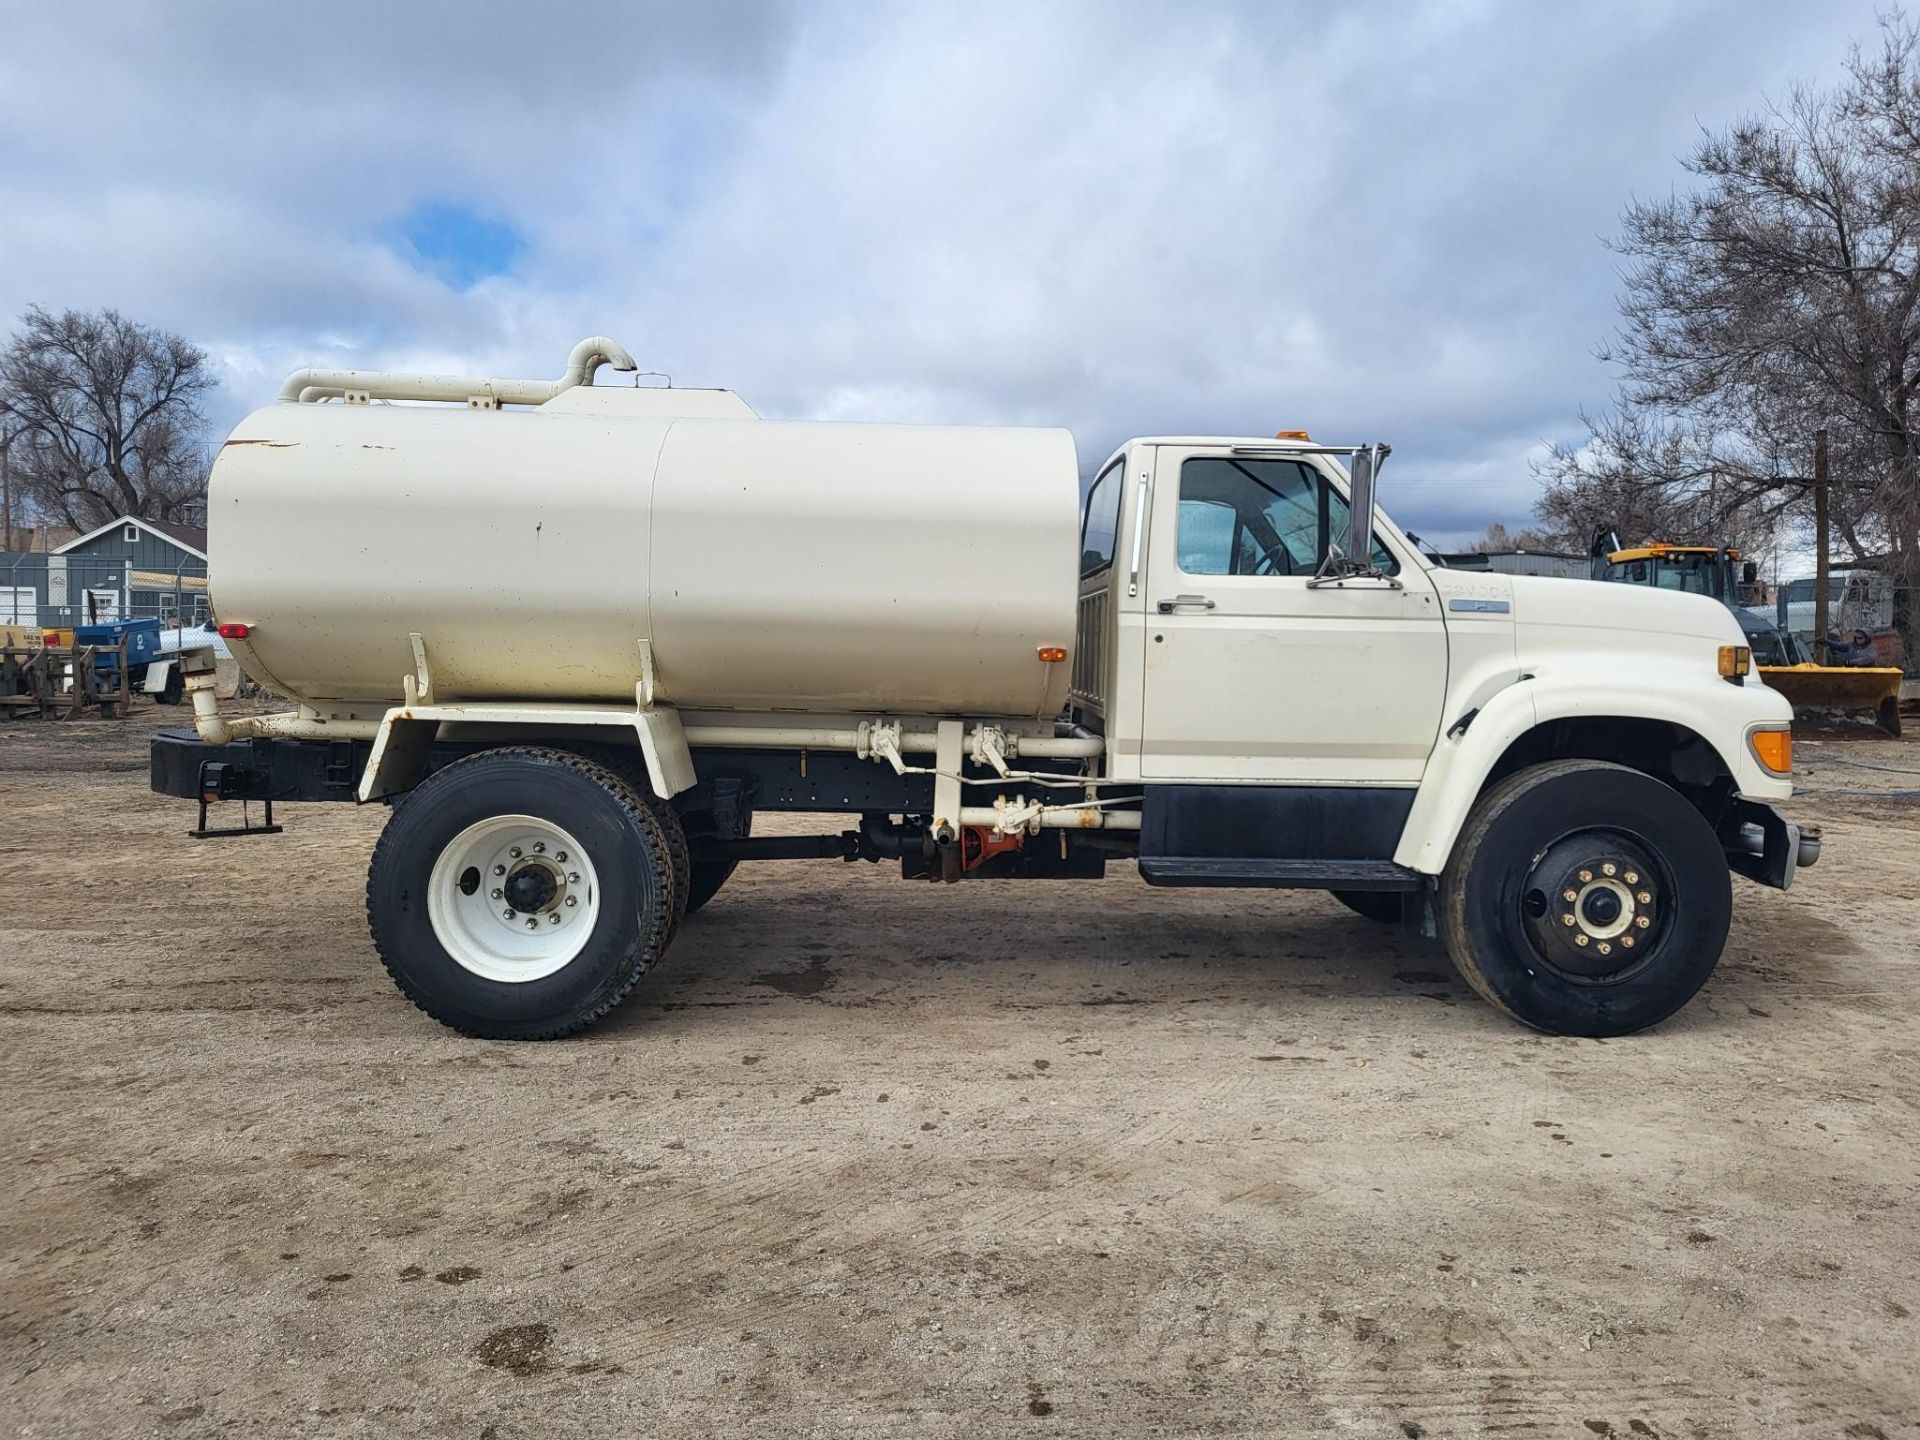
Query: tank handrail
(311, 385)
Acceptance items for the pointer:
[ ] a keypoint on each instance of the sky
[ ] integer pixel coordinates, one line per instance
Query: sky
(1370, 220)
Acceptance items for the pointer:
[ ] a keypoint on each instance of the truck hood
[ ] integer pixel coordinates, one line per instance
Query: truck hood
(1637, 614)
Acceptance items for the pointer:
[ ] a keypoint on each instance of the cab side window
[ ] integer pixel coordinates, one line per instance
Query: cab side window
(1102, 520)
(1260, 517)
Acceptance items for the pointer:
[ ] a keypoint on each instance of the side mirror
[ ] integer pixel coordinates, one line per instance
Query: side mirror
(1361, 476)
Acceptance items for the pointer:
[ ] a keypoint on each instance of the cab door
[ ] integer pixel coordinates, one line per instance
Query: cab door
(1251, 673)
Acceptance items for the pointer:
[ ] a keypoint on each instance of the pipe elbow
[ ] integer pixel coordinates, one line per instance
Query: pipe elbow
(589, 355)
(207, 719)
(292, 388)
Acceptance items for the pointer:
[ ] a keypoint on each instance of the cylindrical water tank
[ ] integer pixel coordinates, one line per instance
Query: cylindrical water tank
(811, 567)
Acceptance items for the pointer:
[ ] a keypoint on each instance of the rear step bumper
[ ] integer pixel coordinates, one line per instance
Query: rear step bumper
(258, 769)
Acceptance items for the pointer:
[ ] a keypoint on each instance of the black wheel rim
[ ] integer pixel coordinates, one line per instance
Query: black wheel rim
(1595, 906)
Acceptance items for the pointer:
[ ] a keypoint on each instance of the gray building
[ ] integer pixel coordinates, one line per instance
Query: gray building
(128, 568)
(1522, 562)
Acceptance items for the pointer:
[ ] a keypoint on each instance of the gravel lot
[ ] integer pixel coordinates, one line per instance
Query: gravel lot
(876, 1158)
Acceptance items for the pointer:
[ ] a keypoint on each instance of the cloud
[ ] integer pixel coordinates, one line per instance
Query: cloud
(1129, 219)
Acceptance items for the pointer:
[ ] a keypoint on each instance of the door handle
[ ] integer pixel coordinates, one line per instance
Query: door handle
(1167, 607)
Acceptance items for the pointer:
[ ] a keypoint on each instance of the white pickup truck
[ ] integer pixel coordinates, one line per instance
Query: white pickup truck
(576, 636)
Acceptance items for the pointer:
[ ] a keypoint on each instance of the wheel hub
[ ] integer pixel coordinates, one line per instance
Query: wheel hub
(1593, 905)
(532, 887)
(513, 898)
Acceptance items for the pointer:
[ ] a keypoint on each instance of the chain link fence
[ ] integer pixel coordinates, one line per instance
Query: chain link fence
(48, 590)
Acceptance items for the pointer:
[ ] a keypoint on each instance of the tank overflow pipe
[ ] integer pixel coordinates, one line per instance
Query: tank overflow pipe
(217, 729)
(908, 742)
(311, 385)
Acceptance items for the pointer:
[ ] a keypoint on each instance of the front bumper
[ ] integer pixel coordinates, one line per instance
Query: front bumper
(1763, 847)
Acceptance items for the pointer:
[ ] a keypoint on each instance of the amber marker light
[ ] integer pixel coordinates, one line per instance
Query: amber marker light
(1773, 749)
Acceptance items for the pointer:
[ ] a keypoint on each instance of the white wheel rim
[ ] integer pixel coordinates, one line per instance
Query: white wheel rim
(516, 858)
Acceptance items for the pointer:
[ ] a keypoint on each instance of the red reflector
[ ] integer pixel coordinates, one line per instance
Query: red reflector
(238, 630)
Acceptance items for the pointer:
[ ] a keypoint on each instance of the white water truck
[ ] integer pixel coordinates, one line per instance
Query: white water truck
(576, 637)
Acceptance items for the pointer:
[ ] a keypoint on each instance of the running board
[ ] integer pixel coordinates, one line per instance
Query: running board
(1280, 874)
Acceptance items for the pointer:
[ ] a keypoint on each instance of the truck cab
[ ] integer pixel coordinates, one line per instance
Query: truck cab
(1224, 664)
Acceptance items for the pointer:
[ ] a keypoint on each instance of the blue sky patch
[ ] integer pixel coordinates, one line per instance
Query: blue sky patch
(455, 245)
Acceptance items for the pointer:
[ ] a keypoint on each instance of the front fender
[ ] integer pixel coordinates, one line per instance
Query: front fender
(1676, 692)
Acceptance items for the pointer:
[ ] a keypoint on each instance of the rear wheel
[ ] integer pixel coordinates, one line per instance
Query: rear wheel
(1585, 899)
(520, 894)
(1381, 905)
(628, 765)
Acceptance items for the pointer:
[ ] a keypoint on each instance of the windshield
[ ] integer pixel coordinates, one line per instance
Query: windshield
(1695, 574)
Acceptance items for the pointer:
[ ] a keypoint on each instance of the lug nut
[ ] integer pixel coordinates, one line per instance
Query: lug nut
(1608, 868)
(554, 918)
(1579, 939)
(532, 924)
(539, 847)
(1566, 920)
(572, 900)
(1631, 878)
(508, 914)
(1627, 940)
(573, 879)
(1605, 948)
(1569, 894)
(498, 892)
(1642, 921)
(1586, 877)
(499, 869)
(515, 852)
(1644, 897)
(560, 857)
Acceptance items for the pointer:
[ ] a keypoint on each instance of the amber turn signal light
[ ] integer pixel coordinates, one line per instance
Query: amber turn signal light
(1052, 654)
(1773, 749)
(1735, 661)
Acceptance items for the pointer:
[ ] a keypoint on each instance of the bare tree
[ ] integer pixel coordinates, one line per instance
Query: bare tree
(1779, 295)
(1499, 539)
(107, 420)
(1651, 480)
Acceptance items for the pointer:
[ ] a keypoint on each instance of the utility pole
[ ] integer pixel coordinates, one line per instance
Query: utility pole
(6, 484)
(1820, 546)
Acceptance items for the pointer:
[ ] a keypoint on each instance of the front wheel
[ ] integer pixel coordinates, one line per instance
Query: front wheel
(519, 894)
(1585, 899)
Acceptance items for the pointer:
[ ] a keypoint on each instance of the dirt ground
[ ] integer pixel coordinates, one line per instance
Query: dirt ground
(876, 1158)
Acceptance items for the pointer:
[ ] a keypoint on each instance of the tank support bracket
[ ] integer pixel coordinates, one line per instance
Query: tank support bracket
(398, 760)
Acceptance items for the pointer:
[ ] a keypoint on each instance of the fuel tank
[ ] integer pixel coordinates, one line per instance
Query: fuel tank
(766, 565)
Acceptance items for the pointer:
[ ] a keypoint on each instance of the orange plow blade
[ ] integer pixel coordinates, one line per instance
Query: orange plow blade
(1824, 689)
